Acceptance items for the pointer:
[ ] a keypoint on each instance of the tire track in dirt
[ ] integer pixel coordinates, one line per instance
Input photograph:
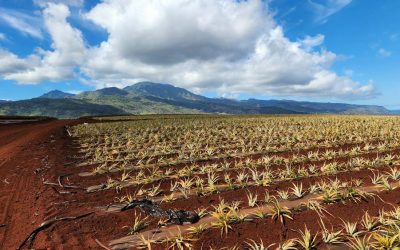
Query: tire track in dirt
(7, 193)
(22, 194)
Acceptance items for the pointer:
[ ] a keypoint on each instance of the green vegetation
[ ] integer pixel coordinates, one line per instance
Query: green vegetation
(155, 98)
(61, 108)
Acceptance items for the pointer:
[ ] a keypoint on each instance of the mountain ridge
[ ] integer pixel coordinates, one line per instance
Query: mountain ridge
(161, 98)
(60, 108)
(162, 90)
(56, 94)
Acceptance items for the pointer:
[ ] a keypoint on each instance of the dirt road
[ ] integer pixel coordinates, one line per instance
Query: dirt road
(27, 154)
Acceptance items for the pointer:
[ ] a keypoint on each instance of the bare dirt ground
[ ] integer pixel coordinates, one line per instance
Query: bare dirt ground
(34, 158)
(29, 153)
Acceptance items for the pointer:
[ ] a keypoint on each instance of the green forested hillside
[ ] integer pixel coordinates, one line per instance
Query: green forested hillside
(156, 98)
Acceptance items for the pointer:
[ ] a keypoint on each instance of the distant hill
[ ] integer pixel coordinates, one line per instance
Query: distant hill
(131, 102)
(2, 101)
(103, 92)
(61, 108)
(211, 105)
(164, 91)
(56, 94)
(157, 98)
(314, 107)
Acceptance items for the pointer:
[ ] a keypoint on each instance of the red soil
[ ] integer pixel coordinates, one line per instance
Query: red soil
(28, 153)
(34, 154)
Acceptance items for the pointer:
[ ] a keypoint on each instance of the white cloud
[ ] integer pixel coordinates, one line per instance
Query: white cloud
(74, 92)
(10, 63)
(67, 51)
(326, 8)
(23, 22)
(227, 46)
(384, 53)
(74, 3)
(167, 32)
(310, 42)
(3, 37)
(236, 47)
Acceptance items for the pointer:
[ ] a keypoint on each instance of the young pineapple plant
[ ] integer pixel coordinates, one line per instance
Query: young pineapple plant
(385, 241)
(307, 241)
(146, 243)
(168, 198)
(288, 245)
(386, 184)
(283, 194)
(351, 229)
(297, 191)
(331, 237)
(394, 174)
(196, 230)
(212, 180)
(224, 215)
(139, 223)
(252, 199)
(241, 179)
(359, 243)
(369, 223)
(229, 181)
(280, 213)
(330, 195)
(154, 191)
(181, 242)
(253, 245)
(201, 212)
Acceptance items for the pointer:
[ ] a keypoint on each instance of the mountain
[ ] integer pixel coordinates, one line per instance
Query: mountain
(130, 102)
(3, 101)
(157, 98)
(314, 107)
(56, 94)
(212, 105)
(164, 91)
(103, 92)
(60, 108)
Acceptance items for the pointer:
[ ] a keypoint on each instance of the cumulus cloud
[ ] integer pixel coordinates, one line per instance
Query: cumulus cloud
(326, 8)
(226, 46)
(166, 32)
(67, 51)
(10, 63)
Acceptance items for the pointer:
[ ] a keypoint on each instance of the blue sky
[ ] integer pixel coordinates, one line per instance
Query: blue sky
(317, 50)
(361, 32)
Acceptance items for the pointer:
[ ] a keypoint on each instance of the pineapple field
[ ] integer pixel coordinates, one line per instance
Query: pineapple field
(223, 182)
